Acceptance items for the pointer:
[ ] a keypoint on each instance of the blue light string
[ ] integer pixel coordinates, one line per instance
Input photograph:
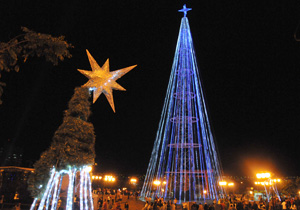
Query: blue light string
(33, 204)
(53, 189)
(151, 167)
(81, 188)
(50, 193)
(72, 174)
(54, 199)
(183, 127)
(90, 191)
(85, 191)
(45, 195)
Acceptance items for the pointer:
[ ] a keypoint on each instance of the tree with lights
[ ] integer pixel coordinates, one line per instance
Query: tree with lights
(72, 150)
(72, 147)
(30, 44)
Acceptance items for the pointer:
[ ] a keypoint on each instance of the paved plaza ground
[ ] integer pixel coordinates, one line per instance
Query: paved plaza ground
(133, 204)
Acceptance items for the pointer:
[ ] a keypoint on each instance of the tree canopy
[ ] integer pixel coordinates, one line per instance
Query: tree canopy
(30, 44)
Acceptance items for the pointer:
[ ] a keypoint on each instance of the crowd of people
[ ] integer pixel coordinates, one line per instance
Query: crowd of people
(107, 199)
(225, 204)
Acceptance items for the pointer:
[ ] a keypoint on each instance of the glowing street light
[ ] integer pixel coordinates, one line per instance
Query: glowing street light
(230, 184)
(109, 178)
(222, 183)
(263, 175)
(133, 180)
(96, 177)
(156, 182)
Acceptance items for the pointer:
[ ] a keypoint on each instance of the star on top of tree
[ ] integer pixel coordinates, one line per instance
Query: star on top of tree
(103, 80)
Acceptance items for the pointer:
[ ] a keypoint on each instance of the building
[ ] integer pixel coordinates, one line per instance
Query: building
(10, 155)
(13, 184)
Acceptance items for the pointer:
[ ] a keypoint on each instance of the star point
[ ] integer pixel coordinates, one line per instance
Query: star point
(184, 10)
(101, 80)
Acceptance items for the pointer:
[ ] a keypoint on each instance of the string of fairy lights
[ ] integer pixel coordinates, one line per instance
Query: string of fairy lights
(52, 192)
(184, 162)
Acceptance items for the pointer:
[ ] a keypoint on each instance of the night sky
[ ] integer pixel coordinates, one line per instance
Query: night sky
(248, 59)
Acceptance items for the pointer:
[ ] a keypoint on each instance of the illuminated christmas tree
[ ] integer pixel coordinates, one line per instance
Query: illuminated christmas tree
(184, 162)
(72, 151)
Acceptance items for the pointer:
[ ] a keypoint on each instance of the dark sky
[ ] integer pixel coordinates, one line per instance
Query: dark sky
(248, 58)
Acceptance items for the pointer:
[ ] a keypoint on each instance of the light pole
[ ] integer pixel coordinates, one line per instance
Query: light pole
(133, 181)
(157, 184)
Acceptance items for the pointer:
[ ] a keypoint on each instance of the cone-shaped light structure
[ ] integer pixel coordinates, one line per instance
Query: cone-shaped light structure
(184, 162)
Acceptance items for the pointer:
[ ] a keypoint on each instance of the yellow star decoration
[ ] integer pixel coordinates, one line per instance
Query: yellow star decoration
(102, 80)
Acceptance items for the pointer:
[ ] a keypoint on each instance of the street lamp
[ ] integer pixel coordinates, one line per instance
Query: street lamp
(230, 184)
(133, 180)
(156, 182)
(222, 183)
(109, 178)
(263, 175)
(96, 177)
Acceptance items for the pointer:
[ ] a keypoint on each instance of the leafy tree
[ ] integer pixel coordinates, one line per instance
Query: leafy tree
(72, 145)
(30, 44)
(291, 187)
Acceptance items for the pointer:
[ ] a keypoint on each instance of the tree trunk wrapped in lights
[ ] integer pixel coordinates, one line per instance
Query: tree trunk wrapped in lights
(71, 151)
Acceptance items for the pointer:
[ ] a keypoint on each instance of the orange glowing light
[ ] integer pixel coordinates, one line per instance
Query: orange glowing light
(109, 178)
(133, 180)
(263, 175)
(156, 182)
(222, 183)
